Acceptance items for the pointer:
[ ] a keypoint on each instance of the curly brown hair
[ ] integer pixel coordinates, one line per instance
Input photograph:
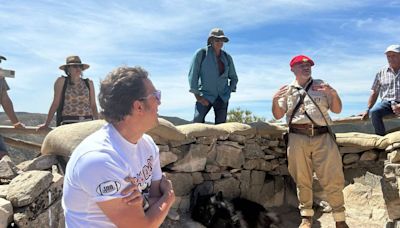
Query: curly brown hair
(119, 90)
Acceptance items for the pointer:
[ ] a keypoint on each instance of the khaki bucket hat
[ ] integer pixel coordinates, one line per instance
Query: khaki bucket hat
(217, 33)
(73, 61)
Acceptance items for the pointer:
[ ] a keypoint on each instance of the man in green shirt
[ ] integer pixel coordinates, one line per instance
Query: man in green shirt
(212, 78)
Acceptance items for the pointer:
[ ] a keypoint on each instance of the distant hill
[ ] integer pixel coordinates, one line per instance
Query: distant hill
(34, 119)
(176, 120)
(29, 119)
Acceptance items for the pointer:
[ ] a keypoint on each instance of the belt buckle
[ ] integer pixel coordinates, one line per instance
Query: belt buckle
(81, 118)
(312, 130)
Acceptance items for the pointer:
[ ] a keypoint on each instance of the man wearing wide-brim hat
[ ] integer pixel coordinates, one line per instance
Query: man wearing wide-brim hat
(8, 107)
(212, 78)
(386, 85)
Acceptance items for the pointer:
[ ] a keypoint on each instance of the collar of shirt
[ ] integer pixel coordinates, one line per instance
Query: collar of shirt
(295, 84)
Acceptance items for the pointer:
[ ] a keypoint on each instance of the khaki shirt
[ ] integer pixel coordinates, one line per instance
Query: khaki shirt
(292, 97)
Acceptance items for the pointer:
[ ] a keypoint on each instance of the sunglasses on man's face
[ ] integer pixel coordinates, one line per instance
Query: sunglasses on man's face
(76, 66)
(218, 40)
(156, 94)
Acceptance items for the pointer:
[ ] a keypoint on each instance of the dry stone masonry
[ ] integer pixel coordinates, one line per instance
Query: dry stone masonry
(246, 160)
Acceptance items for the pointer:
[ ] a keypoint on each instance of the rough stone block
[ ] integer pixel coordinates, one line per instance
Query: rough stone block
(163, 148)
(212, 176)
(237, 138)
(370, 155)
(3, 190)
(197, 178)
(52, 217)
(228, 186)
(27, 186)
(350, 158)
(253, 151)
(394, 156)
(181, 182)
(43, 162)
(167, 158)
(6, 212)
(194, 160)
(8, 170)
(229, 156)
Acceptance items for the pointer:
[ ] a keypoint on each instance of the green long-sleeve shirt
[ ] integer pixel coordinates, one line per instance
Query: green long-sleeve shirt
(205, 79)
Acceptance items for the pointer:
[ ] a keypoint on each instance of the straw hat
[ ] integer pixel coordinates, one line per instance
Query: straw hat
(73, 61)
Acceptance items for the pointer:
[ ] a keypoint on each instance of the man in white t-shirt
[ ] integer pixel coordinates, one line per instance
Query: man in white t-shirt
(113, 178)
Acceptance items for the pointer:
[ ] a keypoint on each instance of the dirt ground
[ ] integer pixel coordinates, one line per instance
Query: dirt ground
(291, 219)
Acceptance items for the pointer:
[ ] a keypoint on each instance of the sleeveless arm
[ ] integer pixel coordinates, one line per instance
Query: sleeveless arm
(92, 98)
(58, 87)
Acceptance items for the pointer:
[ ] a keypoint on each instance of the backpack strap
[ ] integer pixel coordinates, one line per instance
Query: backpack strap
(203, 56)
(326, 122)
(301, 101)
(61, 105)
(86, 80)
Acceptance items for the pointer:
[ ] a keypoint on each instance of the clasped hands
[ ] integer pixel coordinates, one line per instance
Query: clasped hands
(134, 196)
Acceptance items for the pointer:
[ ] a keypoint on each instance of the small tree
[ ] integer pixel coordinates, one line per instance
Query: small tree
(242, 116)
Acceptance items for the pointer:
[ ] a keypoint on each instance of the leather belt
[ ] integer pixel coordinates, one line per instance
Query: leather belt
(303, 126)
(308, 129)
(75, 119)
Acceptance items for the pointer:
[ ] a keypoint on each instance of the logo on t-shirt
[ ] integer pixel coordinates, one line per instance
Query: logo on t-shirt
(108, 188)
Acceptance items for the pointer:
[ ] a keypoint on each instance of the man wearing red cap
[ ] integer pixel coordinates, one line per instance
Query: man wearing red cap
(311, 146)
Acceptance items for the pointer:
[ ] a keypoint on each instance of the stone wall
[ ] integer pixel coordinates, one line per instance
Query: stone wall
(246, 160)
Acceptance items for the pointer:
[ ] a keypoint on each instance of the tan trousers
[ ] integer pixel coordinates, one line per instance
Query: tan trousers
(321, 155)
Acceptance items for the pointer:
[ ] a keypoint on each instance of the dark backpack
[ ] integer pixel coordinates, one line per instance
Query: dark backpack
(61, 106)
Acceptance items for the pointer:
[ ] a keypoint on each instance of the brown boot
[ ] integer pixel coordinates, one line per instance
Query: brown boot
(306, 222)
(341, 224)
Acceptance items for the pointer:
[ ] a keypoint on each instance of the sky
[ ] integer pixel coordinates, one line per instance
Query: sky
(346, 39)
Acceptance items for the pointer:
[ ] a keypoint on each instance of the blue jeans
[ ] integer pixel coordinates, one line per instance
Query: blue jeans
(377, 113)
(220, 111)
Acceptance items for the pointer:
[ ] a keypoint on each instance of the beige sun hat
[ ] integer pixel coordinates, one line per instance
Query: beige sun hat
(217, 33)
(74, 60)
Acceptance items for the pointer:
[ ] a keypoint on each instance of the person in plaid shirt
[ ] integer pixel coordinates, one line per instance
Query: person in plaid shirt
(387, 85)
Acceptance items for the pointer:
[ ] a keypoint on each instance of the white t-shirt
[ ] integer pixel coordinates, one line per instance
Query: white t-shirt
(96, 172)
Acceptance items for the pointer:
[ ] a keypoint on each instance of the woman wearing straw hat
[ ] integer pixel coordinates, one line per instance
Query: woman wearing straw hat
(212, 78)
(74, 97)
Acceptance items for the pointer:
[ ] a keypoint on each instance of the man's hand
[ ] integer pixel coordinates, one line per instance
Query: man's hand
(166, 189)
(325, 88)
(42, 127)
(19, 125)
(135, 196)
(203, 101)
(365, 115)
(396, 109)
(280, 93)
(165, 185)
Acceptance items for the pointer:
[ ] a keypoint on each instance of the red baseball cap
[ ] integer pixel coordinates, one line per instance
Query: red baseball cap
(301, 59)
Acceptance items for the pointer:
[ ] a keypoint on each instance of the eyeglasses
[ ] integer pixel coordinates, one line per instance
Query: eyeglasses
(156, 94)
(218, 40)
